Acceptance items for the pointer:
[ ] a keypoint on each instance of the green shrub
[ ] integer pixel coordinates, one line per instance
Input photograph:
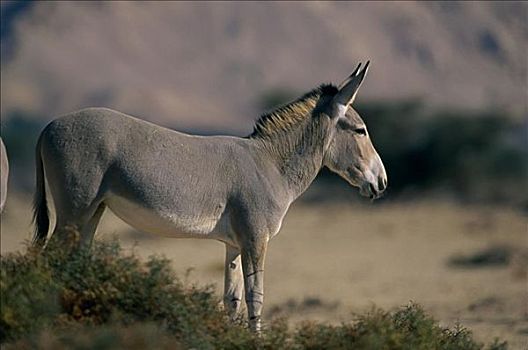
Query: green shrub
(409, 328)
(105, 298)
(28, 295)
(134, 337)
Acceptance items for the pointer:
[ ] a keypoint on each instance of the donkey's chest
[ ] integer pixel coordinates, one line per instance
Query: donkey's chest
(197, 221)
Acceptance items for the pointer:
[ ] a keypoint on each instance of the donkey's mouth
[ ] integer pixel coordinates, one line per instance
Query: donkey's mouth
(353, 176)
(366, 189)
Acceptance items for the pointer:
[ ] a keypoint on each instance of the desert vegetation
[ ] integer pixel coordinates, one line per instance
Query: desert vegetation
(108, 298)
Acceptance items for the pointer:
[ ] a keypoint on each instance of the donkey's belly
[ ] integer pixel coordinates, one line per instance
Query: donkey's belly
(171, 223)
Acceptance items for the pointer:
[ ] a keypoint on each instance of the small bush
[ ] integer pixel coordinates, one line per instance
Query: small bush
(104, 285)
(28, 295)
(134, 337)
(105, 298)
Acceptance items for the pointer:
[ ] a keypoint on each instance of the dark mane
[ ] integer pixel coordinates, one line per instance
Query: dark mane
(287, 116)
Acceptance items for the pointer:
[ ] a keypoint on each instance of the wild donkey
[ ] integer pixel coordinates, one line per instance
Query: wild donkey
(236, 190)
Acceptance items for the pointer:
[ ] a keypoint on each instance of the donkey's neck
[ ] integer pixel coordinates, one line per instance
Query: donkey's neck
(297, 154)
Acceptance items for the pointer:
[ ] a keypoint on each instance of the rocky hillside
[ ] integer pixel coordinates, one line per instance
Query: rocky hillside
(206, 66)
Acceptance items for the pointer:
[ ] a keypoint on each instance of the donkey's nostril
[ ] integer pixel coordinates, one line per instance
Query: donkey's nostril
(372, 189)
(382, 183)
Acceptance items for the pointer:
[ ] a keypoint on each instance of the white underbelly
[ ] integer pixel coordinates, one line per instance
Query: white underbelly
(168, 223)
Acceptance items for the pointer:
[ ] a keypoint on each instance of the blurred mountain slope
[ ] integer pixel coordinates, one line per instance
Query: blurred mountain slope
(204, 66)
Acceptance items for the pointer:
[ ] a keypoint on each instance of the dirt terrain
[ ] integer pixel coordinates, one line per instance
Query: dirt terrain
(464, 264)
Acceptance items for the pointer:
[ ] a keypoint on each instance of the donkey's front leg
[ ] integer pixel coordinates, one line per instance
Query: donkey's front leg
(253, 255)
(233, 282)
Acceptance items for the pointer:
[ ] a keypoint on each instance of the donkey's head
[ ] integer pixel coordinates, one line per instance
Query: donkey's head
(350, 152)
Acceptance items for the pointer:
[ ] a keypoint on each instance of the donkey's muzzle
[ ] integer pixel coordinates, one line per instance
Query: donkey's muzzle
(374, 190)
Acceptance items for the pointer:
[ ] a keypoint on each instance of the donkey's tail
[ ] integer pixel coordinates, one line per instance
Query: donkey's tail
(40, 207)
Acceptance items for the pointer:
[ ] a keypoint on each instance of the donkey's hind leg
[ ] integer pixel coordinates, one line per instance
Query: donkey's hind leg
(78, 225)
(88, 230)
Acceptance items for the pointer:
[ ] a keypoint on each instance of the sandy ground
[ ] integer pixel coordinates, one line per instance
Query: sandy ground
(330, 261)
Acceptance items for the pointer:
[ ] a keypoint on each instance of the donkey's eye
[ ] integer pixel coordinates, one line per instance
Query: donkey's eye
(361, 131)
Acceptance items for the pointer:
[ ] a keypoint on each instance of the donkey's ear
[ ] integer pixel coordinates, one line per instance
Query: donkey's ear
(349, 88)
